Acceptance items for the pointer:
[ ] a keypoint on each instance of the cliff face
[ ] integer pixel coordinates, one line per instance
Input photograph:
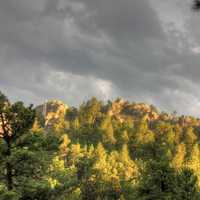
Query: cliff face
(51, 111)
(120, 109)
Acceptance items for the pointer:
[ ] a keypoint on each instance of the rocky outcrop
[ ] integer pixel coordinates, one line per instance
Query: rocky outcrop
(51, 111)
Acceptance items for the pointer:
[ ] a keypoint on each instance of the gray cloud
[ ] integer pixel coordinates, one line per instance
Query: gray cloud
(143, 50)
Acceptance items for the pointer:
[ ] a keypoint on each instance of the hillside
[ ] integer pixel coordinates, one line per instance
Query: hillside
(121, 110)
(99, 151)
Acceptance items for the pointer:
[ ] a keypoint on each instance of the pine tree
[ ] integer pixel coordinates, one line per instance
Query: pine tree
(190, 138)
(158, 182)
(143, 134)
(194, 161)
(15, 121)
(24, 153)
(179, 158)
(187, 186)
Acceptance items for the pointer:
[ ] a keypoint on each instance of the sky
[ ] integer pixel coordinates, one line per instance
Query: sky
(140, 50)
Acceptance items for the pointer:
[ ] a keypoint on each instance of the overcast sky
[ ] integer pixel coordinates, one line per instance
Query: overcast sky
(141, 50)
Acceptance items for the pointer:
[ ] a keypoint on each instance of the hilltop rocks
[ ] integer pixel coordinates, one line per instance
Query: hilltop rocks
(121, 109)
(51, 111)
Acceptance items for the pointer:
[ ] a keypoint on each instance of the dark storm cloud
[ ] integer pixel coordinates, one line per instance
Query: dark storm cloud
(71, 48)
(133, 19)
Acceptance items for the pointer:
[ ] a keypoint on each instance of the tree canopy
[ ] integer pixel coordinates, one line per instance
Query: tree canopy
(99, 151)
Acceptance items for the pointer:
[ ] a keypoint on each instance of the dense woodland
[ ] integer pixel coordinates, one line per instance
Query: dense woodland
(99, 151)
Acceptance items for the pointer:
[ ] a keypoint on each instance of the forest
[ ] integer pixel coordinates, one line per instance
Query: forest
(115, 150)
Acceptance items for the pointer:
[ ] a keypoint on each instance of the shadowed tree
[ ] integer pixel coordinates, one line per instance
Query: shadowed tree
(15, 121)
(25, 154)
(187, 186)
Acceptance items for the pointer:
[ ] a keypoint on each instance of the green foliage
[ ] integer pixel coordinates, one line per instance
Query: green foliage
(158, 182)
(187, 186)
(24, 157)
(113, 151)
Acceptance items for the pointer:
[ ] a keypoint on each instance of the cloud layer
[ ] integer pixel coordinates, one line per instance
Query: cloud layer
(142, 50)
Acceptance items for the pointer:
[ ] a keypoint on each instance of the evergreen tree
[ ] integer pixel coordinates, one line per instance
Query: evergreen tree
(179, 158)
(194, 161)
(158, 182)
(24, 155)
(187, 186)
(15, 122)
